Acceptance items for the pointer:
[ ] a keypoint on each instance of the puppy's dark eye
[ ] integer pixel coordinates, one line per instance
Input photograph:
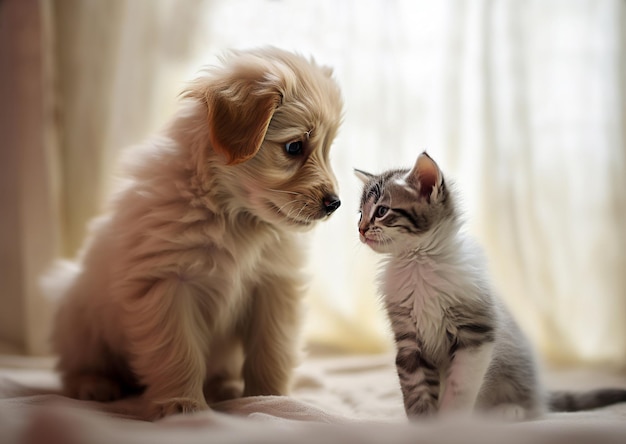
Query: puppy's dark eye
(381, 211)
(294, 147)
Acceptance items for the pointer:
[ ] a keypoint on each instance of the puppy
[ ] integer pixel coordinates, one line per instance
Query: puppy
(191, 279)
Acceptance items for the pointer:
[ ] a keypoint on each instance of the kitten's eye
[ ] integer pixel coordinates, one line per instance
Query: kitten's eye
(381, 211)
(294, 147)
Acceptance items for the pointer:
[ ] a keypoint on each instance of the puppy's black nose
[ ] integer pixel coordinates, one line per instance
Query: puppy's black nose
(331, 203)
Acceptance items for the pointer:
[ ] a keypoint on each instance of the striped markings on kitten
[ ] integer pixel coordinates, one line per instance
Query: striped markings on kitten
(458, 347)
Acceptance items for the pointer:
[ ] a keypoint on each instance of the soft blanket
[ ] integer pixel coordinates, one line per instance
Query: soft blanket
(336, 399)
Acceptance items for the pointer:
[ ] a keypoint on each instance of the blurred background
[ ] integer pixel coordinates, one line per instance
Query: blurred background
(523, 103)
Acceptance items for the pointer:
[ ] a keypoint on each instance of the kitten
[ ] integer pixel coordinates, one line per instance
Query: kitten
(458, 348)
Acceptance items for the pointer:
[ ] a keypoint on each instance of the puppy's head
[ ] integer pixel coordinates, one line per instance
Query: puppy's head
(272, 118)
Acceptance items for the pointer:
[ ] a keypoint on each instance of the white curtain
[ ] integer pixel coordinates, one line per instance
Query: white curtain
(117, 69)
(523, 103)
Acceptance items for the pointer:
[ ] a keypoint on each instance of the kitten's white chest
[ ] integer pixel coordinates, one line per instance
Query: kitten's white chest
(418, 287)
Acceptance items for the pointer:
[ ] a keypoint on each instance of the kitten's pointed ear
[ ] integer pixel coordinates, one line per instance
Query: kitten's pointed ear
(363, 176)
(426, 176)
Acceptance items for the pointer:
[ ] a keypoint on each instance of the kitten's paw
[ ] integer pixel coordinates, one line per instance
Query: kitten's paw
(509, 412)
(421, 409)
(173, 406)
(92, 387)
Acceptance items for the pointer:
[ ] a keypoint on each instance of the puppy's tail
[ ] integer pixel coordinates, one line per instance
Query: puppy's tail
(563, 401)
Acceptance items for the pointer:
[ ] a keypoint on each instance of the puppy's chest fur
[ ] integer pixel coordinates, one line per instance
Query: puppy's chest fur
(214, 260)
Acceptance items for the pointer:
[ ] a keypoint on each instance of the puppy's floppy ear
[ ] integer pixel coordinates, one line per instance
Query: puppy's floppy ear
(239, 113)
(241, 98)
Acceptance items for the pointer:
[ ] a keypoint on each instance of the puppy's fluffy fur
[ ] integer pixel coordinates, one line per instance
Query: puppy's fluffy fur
(191, 280)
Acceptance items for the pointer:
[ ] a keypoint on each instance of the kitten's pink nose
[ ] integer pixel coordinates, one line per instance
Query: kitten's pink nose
(362, 231)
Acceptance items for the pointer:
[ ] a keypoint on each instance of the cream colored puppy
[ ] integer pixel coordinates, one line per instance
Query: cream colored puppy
(191, 280)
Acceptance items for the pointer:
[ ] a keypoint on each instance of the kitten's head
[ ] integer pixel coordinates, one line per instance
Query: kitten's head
(406, 210)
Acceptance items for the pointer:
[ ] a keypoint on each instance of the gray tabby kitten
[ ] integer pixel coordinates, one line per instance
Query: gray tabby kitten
(458, 348)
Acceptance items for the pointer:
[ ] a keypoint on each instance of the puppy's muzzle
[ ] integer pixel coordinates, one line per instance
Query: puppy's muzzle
(331, 203)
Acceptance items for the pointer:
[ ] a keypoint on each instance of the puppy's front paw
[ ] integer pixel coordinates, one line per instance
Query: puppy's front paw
(173, 406)
(222, 389)
(92, 387)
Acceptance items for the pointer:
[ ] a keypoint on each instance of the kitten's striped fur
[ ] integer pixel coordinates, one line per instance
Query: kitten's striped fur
(458, 348)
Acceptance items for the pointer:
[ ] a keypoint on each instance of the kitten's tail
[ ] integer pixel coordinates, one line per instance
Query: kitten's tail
(562, 401)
